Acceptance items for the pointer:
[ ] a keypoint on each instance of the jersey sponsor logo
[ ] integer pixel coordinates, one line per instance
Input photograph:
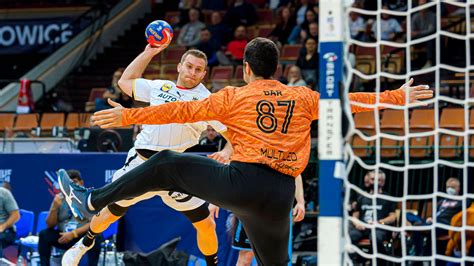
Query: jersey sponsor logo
(166, 87)
(279, 155)
(167, 97)
(195, 98)
(5, 175)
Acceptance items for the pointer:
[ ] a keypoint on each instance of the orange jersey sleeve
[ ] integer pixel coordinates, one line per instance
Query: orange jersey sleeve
(395, 97)
(215, 107)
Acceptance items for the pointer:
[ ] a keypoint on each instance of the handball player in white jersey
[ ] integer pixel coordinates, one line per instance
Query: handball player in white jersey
(154, 138)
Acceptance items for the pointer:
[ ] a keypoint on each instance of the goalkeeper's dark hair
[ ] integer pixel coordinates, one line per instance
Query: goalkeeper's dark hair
(262, 56)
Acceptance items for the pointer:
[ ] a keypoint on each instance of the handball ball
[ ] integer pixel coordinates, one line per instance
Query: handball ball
(158, 33)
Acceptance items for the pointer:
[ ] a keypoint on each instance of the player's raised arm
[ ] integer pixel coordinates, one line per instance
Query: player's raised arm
(136, 68)
(216, 107)
(396, 97)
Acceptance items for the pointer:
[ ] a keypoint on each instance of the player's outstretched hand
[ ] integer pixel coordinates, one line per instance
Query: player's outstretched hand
(156, 50)
(417, 93)
(109, 118)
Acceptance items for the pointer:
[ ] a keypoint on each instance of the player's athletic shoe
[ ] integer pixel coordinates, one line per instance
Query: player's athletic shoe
(75, 196)
(74, 254)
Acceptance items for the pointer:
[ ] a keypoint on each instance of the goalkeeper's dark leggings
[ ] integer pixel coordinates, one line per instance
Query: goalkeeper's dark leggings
(258, 195)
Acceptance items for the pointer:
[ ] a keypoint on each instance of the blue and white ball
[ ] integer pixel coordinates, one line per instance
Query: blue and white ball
(159, 32)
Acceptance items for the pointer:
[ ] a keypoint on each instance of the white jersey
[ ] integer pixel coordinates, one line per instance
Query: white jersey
(177, 137)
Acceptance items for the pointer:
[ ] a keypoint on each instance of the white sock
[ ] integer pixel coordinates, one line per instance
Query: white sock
(89, 203)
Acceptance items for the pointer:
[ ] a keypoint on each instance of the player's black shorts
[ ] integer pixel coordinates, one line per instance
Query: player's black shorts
(240, 240)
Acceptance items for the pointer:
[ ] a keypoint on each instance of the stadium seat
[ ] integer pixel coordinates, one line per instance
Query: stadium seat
(7, 121)
(26, 122)
(451, 146)
(221, 76)
(365, 122)
(265, 16)
(395, 57)
(32, 242)
(392, 122)
(77, 120)
(365, 59)
(422, 120)
(50, 120)
(290, 53)
(222, 73)
(239, 72)
(24, 226)
(265, 30)
(238, 77)
(172, 55)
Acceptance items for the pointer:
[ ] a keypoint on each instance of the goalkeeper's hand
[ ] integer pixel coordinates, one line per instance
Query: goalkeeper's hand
(109, 118)
(220, 156)
(417, 93)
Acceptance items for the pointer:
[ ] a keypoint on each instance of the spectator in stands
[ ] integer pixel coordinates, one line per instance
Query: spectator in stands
(313, 31)
(389, 27)
(308, 62)
(234, 52)
(384, 214)
(113, 92)
(310, 17)
(9, 215)
(368, 34)
(356, 25)
(212, 138)
(184, 7)
(423, 24)
(294, 77)
(63, 229)
(446, 209)
(284, 26)
(209, 46)
(240, 13)
(303, 6)
(189, 34)
(220, 32)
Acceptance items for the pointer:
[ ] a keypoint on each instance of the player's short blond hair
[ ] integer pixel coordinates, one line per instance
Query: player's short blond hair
(195, 53)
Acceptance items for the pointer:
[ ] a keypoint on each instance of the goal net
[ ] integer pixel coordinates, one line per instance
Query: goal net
(408, 176)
